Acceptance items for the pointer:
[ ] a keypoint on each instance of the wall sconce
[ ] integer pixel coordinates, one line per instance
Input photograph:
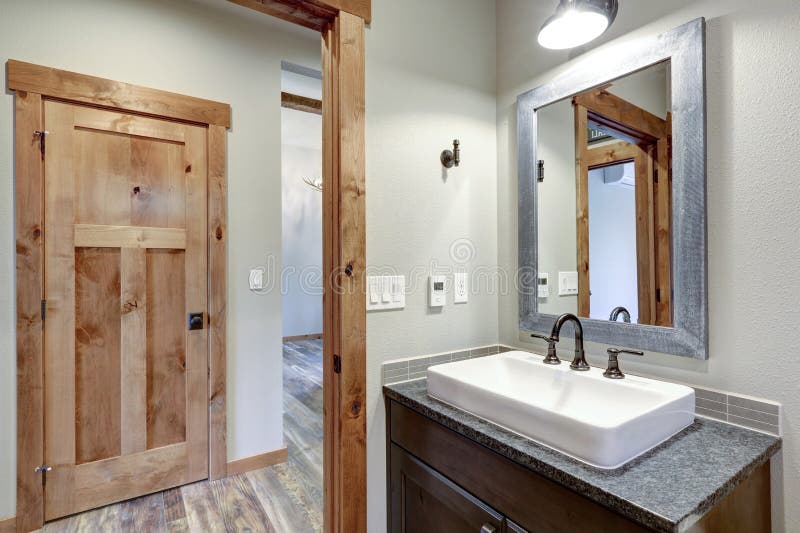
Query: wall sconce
(451, 158)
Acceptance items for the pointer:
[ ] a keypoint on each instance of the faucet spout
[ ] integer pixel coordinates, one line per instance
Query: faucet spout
(579, 362)
(620, 311)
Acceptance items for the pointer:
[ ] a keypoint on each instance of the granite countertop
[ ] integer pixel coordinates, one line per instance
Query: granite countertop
(667, 489)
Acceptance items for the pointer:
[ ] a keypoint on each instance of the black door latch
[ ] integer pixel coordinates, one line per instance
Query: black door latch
(195, 321)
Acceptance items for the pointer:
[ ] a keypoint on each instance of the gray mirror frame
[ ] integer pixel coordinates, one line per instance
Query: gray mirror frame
(685, 47)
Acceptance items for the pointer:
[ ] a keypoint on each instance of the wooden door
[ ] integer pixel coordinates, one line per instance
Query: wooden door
(125, 263)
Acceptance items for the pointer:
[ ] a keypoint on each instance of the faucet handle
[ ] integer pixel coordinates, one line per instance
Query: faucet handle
(613, 371)
(552, 356)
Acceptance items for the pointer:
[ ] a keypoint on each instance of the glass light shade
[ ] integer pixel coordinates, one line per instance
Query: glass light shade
(572, 28)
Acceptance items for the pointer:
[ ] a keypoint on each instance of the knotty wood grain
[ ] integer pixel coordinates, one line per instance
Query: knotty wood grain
(114, 94)
(217, 298)
(29, 200)
(97, 354)
(133, 395)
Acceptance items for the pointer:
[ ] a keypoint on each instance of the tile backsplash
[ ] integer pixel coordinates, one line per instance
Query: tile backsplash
(761, 415)
(416, 367)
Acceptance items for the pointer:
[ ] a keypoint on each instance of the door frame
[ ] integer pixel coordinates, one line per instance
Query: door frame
(33, 85)
(648, 144)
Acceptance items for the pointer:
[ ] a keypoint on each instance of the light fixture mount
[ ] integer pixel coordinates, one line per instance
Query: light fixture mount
(577, 22)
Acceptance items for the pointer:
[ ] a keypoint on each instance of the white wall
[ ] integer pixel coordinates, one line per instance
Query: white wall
(430, 79)
(753, 199)
(557, 224)
(213, 50)
(301, 157)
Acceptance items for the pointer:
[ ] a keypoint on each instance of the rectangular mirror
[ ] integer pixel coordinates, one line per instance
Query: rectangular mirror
(612, 197)
(617, 137)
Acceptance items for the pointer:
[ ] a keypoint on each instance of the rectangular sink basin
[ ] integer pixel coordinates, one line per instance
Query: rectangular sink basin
(602, 422)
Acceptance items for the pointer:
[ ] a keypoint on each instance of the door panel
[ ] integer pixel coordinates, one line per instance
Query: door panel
(166, 348)
(97, 354)
(125, 262)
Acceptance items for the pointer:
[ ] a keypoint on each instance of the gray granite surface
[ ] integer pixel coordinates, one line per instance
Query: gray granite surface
(666, 489)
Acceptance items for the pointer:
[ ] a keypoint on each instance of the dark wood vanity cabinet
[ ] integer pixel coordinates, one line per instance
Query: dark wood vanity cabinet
(442, 482)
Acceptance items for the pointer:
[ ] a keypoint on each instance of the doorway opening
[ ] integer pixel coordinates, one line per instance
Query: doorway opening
(302, 284)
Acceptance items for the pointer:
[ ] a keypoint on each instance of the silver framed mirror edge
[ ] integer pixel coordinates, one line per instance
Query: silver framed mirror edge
(685, 47)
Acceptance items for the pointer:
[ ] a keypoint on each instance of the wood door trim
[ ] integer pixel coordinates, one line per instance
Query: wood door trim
(582, 209)
(344, 264)
(301, 103)
(610, 154)
(217, 302)
(8, 525)
(255, 462)
(29, 228)
(621, 115)
(116, 95)
(313, 14)
(29, 233)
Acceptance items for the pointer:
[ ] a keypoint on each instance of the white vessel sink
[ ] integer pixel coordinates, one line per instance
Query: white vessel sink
(603, 422)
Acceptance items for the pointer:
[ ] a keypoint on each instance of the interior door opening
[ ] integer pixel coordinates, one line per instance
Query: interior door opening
(302, 285)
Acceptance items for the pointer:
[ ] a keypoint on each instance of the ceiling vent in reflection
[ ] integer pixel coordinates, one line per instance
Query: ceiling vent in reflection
(622, 175)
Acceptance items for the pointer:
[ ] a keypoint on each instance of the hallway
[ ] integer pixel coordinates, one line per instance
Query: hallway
(286, 498)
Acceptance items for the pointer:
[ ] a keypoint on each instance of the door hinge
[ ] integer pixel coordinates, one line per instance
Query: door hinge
(658, 295)
(43, 470)
(337, 364)
(42, 142)
(44, 310)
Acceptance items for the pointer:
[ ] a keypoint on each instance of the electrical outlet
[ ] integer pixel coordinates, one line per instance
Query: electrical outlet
(461, 290)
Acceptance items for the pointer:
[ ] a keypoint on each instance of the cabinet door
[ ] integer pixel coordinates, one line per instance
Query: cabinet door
(422, 500)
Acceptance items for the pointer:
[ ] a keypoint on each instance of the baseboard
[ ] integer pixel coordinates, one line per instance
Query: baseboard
(240, 466)
(8, 525)
(311, 337)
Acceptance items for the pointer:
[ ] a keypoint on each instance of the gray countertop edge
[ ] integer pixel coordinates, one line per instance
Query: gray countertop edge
(439, 412)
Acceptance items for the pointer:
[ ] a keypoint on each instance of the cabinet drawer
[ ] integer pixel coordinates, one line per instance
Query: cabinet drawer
(424, 500)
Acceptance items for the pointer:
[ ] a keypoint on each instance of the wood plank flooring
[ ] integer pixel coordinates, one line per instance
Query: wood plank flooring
(286, 498)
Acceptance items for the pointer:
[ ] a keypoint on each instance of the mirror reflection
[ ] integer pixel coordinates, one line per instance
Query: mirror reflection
(604, 201)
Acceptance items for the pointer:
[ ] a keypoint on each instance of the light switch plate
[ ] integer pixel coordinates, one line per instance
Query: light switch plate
(461, 288)
(567, 283)
(386, 292)
(257, 279)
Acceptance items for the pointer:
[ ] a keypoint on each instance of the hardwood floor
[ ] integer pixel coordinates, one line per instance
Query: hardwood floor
(286, 498)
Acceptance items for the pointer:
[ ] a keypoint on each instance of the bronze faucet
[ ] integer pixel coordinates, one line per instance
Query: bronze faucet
(579, 362)
(552, 357)
(613, 371)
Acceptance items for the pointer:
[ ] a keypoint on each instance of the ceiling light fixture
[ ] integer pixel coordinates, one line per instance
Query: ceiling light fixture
(577, 22)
